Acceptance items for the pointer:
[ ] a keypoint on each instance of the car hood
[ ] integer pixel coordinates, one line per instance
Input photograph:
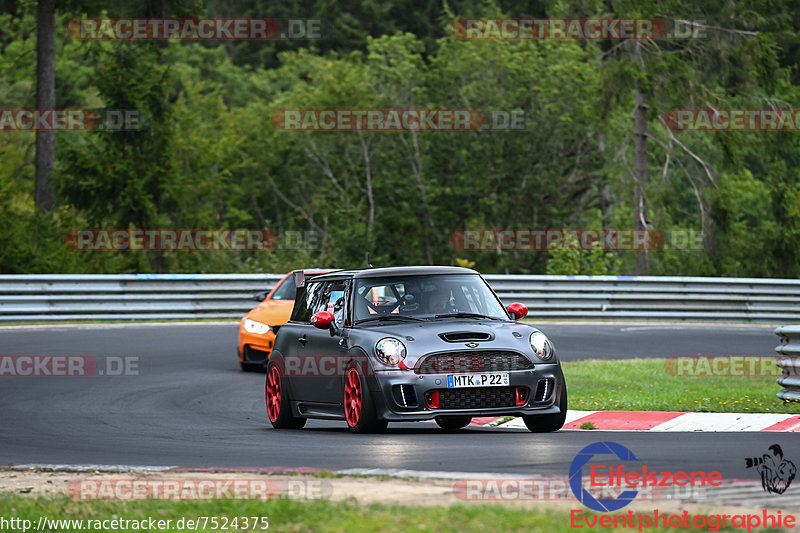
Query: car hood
(430, 337)
(272, 312)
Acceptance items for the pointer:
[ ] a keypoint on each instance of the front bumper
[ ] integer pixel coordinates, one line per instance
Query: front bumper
(406, 396)
(254, 348)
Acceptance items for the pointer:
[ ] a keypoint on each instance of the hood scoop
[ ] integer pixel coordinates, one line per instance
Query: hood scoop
(466, 336)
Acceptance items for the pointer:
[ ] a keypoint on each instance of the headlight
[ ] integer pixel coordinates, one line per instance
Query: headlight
(251, 326)
(541, 345)
(390, 351)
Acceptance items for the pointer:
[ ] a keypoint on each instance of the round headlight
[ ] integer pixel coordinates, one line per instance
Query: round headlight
(541, 345)
(390, 351)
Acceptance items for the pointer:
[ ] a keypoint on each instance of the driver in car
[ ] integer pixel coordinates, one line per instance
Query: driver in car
(439, 301)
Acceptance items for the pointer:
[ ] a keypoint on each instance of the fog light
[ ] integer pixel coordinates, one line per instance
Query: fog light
(432, 399)
(520, 395)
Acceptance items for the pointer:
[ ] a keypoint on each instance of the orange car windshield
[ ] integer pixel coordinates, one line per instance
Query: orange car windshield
(286, 290)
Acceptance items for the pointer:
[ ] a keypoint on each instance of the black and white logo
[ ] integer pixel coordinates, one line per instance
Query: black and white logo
(776, 472)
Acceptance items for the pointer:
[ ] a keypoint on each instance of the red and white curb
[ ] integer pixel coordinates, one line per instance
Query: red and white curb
(667, 421)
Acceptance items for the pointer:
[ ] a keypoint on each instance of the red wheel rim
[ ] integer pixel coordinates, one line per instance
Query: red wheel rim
(352, 397)
(273, 394)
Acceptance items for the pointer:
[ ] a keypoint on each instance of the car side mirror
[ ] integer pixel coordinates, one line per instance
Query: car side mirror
(518, 310)
(325, 320)
(260, 296)
(322, 320)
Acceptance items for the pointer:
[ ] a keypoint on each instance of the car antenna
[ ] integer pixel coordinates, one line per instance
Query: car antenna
(369, 265)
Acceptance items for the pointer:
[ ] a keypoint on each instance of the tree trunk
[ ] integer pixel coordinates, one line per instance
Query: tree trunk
(641, 263)
(44, 197)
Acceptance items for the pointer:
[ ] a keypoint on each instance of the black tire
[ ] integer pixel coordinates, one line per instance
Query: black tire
(359, 409)
(548, 423)
(453, 423)
(278, 402)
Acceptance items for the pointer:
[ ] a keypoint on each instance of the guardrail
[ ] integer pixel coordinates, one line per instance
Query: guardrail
(129, 296)
(179, 296)
(653, 297)
(790, 362)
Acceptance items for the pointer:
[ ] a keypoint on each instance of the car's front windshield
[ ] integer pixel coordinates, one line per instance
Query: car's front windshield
(286, 291)
(426, 297)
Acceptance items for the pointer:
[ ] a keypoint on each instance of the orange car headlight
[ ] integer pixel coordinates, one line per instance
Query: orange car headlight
(251, 326)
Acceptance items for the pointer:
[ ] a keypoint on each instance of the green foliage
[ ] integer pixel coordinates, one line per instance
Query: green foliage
(571, 259)
(210, 156)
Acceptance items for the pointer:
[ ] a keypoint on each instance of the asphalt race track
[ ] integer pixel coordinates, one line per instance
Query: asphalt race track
(190, 405)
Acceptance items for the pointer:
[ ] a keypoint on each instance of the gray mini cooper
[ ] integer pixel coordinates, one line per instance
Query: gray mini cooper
(403, 344)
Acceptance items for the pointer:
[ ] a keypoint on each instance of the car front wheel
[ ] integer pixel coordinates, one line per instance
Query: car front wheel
(548, 423)
(359, 411)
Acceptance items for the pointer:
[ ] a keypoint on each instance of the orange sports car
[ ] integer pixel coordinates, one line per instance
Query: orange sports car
(258, 327)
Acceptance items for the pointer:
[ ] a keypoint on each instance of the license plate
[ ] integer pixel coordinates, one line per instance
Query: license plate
(457, 381)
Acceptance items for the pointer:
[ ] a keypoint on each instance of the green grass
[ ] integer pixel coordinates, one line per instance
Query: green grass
(382, 477)
(647, 385)
(293, 516)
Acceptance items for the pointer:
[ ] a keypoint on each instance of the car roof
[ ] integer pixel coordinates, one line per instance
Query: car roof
(312, 271)
(395, 271)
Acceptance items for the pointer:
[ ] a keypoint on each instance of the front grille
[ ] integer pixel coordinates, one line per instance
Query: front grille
(476, 398)
(476, 361)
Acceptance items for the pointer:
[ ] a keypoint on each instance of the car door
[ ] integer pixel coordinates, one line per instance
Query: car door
(323, 351)
(293, 339)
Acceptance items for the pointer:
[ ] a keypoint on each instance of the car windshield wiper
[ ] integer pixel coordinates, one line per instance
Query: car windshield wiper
(466, 315)
(389, 317)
